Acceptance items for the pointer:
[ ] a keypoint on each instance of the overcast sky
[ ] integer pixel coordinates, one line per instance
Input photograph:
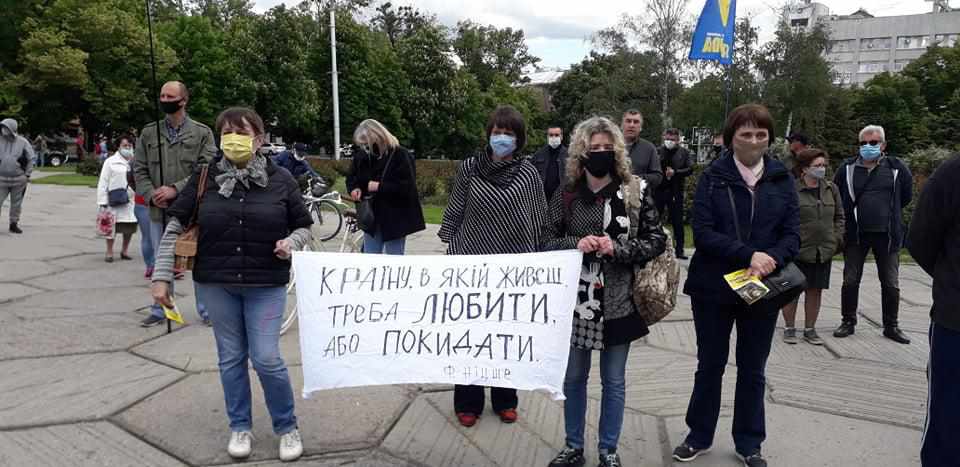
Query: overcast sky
(556, 30)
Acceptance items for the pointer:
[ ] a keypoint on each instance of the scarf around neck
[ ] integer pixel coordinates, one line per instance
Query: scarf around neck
(255, 171)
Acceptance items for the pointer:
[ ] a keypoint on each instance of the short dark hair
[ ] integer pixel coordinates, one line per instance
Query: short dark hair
(798, 137)
(805, 158)
(747, 114)
(115, 145)
(508, 118)
(235, 116)
(671, 132)
(559, 127)
(632, 111)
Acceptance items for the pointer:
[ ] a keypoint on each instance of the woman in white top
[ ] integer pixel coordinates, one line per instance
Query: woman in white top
(114, 193)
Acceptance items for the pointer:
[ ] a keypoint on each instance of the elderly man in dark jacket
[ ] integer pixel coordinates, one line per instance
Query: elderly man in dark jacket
(875, 188)
(677, 166)
(934, 241)
(643, 154)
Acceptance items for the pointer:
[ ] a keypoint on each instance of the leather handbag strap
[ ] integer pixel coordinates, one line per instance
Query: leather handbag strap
(201, 189)
(736, 218)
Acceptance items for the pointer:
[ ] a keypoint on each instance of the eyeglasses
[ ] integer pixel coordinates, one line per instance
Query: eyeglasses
(872, 142)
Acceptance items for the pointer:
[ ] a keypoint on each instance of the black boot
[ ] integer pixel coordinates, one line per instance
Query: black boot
(14, 228)
(845, 329)
(896, 335)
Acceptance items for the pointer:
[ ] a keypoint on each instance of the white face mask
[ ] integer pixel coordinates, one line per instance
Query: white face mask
(127, 153)
(554, 141)
(669, 144)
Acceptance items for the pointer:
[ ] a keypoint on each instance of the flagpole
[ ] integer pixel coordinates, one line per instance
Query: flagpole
(156, 106)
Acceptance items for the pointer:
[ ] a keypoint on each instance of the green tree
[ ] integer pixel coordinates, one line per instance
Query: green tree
(938, 73)
(487, 51)
(895, 102)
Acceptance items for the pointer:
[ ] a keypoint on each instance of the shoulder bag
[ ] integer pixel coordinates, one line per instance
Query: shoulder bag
(185, 251)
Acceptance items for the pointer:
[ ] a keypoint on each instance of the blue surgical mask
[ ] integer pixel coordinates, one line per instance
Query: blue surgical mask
(870, 153)
(503, 145)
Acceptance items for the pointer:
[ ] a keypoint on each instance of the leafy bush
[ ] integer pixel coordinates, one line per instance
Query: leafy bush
(89, 166)
(426, 186)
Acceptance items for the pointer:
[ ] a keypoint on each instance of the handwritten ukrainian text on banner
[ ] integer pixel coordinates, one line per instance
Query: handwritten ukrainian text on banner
(714, 37)
(498, 320)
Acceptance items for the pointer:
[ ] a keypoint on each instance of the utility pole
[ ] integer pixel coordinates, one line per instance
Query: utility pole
(336, 86)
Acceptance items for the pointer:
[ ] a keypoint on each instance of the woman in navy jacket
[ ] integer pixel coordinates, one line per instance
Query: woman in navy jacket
(766, 209)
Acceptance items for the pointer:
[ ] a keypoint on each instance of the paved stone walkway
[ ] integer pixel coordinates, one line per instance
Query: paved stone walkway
(84, 385)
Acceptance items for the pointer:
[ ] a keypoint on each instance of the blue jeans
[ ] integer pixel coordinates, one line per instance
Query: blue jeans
(373, 243)
(146, 234)
(156, 234)
(246, 324)
(613, 364)
(714, 322)
(943, 399)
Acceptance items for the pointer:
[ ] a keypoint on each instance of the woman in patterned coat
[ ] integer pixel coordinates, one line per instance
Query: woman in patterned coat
(605, 212)
(497, 206)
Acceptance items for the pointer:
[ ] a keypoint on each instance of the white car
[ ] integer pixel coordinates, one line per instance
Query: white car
(272, 149)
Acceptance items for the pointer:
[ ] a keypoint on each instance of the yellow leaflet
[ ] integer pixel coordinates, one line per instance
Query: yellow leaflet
(749, 288)
(173, 314)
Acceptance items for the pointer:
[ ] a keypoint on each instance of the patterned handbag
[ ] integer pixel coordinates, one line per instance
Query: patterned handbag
(655, 285)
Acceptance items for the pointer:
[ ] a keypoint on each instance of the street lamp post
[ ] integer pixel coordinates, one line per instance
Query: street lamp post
(336, 87)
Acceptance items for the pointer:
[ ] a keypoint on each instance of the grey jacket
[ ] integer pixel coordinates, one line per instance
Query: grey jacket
(645, 162)
(16, 156)
(194, 145)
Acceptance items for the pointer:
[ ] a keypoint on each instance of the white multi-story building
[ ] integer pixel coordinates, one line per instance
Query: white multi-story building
(862, 45)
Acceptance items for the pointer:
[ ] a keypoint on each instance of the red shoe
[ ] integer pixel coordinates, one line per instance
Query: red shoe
(148, 274)
(467, 419)
(178, 274)
(508, 415)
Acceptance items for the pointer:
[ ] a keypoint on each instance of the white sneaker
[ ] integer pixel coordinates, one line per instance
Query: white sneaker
(291, 446)
(240, 444)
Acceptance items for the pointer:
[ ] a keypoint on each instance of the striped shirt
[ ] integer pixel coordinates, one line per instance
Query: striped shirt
(496, 207)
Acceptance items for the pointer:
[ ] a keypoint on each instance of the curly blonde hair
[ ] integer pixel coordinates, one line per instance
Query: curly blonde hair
(580, 146)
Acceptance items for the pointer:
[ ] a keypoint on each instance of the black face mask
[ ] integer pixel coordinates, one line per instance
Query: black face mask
(170, 107)
(599, 163)
(717, 148)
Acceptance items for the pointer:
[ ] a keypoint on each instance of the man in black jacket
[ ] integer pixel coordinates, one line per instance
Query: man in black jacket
(643, 154)
(676, 168)
(934, 242)
(875, 187)
(551, 161)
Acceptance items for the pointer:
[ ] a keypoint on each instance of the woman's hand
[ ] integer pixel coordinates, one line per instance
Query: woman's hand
(761, 265)
(605, 246)
(161, 294)
(372, 187)
(356, 194)
(284, 249)
(589, 244)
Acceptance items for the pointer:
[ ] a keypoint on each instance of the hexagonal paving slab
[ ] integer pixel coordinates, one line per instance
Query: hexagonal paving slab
(869, 344)
(79, 445)
(82, 302)
(861, 389)
(196, 349)
(10, 291)
(21, 338)
(188, 419)
(75, 388)
(15, 271)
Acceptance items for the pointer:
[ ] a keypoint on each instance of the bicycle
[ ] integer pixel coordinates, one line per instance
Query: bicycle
(351, 242)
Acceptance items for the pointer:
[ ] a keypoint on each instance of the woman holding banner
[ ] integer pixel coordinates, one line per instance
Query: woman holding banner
(251, 216)
(745, 217)
(605, 212)
(497, 206)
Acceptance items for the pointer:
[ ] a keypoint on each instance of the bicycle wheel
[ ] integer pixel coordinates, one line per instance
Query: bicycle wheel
(327, 221)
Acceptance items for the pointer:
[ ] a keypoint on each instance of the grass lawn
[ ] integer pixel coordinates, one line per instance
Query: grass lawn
(68, 180)
(63, 168)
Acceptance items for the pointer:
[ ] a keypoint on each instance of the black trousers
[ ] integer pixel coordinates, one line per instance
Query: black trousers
(714, 322)
(888, 270)
(471, 399)
(673, 199)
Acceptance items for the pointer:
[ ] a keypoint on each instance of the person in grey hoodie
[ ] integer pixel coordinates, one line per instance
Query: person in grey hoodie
(16, 164)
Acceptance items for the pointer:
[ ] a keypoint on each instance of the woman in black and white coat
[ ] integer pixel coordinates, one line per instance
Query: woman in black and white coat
(607, 213)
(497, 206)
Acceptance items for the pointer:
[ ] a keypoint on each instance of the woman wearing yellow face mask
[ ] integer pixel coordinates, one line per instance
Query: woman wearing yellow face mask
(251, 216)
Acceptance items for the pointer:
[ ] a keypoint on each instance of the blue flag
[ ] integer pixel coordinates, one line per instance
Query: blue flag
(713, 39)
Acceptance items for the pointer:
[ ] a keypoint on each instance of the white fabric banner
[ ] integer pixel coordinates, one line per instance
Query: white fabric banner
(498, 320)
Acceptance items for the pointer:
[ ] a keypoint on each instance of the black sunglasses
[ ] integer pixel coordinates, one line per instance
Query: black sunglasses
(872, 142)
